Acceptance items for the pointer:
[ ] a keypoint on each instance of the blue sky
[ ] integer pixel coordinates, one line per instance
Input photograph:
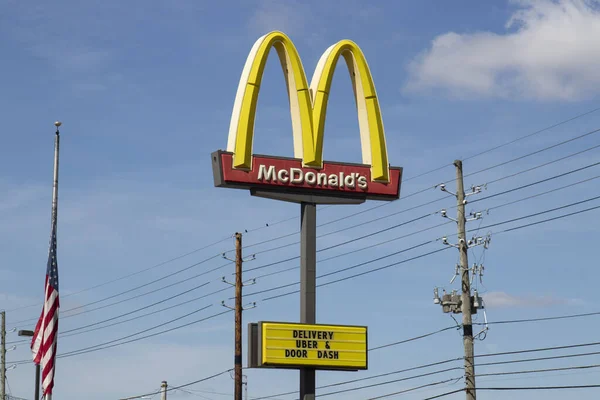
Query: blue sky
(145, 91)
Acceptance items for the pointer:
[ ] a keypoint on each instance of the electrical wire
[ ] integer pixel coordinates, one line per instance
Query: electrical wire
(433, 252)
(482, 170)
(170, 388)
(445, 394)
(131, 274)
(362, 273)
(227, 238)
(489, 209)
(535, 183)
(344, 269)
(516, 321)
(415, 388)
(434, 201)
(423, 204)
(353, 389)
(112, 343)
(74, 330)
(537, 371)
(511, 220)
(534, 153)
(133, 289)
(349, 252)
(543, 193)
(540, 387)
(507, 143)
(461, 358)
(139, 332)
(364, 263)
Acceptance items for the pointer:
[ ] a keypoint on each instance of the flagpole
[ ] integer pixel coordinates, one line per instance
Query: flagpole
(57, 124)
(54, 221)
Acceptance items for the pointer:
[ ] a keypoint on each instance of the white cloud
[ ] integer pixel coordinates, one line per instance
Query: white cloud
(502, 299)
(553, 53)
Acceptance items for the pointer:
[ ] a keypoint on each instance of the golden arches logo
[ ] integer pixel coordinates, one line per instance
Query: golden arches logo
(308, 104)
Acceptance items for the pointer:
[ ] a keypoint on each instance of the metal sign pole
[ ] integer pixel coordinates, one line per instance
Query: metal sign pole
(308, 277)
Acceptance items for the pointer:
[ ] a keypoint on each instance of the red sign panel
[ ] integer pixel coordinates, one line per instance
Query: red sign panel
(288, 175)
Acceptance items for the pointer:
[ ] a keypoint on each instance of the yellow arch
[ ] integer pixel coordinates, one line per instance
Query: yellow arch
(308, 106)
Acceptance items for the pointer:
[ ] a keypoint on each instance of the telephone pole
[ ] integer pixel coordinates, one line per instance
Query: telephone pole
(163, 390)
(238, 317)
(238, 308)
(3, 356)
(465, 284)
(464, 303)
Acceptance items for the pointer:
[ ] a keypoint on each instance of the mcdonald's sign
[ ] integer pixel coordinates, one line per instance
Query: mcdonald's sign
(307, 173)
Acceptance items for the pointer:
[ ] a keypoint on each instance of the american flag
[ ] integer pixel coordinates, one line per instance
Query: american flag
(43, 343)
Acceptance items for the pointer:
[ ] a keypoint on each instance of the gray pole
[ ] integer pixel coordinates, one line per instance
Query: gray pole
(308, 267)
(3, 356)
(55, 181)
(36, 390)
(57, 124)
(37, 382)
(163, 390)
(466, 285)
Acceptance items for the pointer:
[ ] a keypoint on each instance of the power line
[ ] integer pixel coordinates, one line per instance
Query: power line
(139, 332)
(536, 371)
(446, 394)
(507, 143)
(412, 208)
(344, 269)
(180, 386)
(535, 183)
(97, 347)
(380, 243)
(389, 382)
(413, 339)
(427, 203)
(403, 379)
(362, 273)
(540, 387)
(445, 248)
(416, 388)
(564, 347)
(227, 238)
(131, 274)
(535, 152)
(482, 170)
(515, 321)
(543, 193)
(543, 165)
(133, 289)
(345, 278)
(74, 331)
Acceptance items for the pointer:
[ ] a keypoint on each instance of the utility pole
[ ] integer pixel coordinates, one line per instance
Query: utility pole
(465, 284)
(464, 303)
(3, 356)
(238, 317)
(238, 308)
(163, 390)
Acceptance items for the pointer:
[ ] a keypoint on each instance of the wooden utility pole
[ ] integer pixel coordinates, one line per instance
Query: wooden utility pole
(3, 356)
(238, 317)
(466, 284)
